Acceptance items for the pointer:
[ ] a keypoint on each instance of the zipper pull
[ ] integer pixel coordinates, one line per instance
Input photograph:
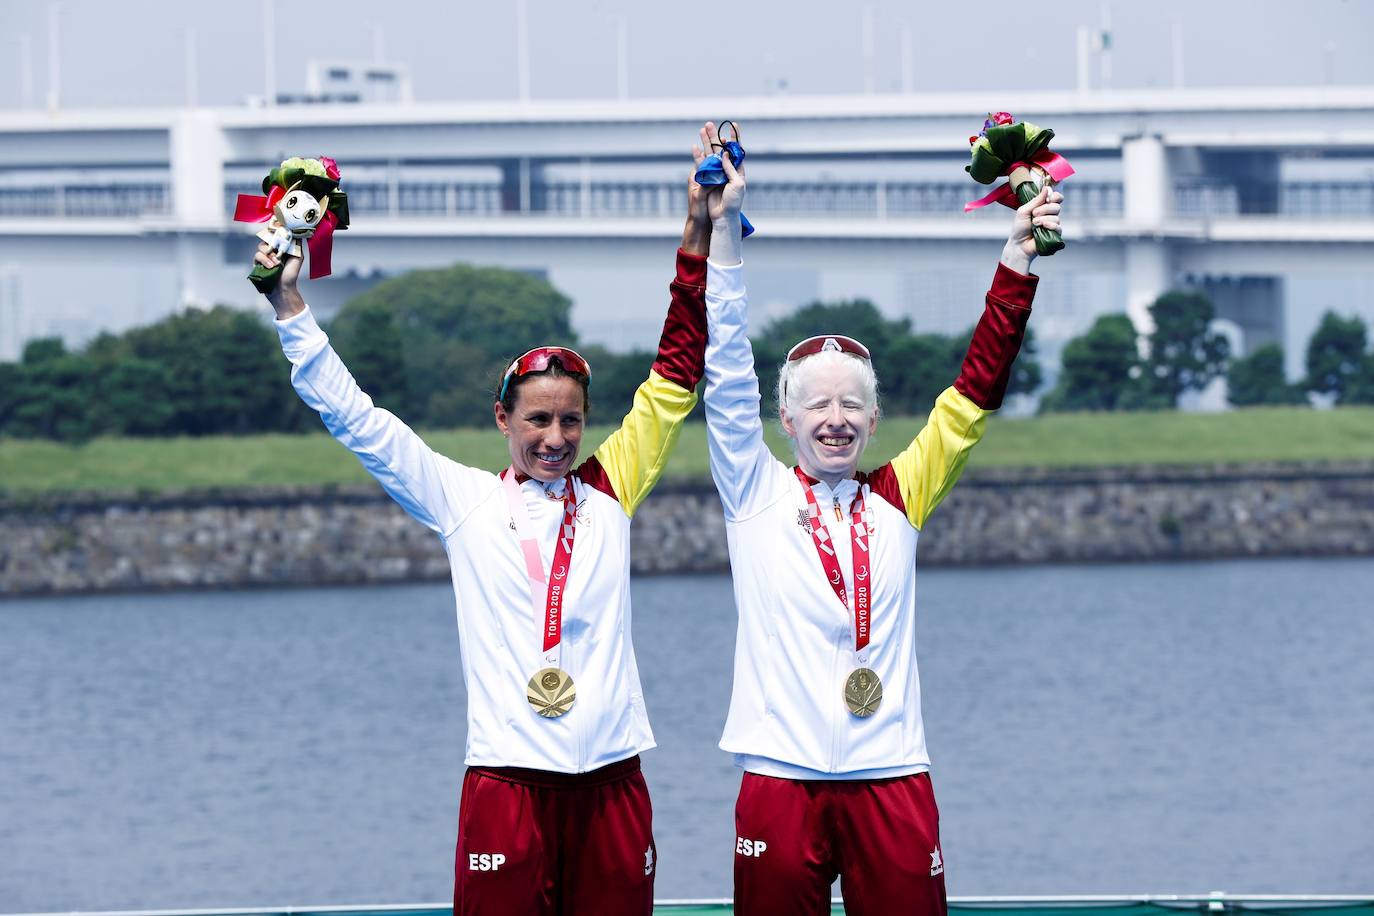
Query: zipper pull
(839, 515)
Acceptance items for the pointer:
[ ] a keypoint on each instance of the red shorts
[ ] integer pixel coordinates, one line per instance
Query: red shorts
(881, 837)
(535, 843)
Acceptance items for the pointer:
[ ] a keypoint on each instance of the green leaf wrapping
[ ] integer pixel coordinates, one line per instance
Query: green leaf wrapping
(338, 205)
(317, 186)
(289, 176)
(272, 180)
(1047, 241)
(265, 279)
(994, 152)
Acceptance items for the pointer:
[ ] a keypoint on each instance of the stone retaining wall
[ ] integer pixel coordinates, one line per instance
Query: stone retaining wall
(316, 536)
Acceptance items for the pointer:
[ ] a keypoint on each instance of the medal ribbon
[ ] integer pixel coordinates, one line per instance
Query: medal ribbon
(858, 532)
(550, 610)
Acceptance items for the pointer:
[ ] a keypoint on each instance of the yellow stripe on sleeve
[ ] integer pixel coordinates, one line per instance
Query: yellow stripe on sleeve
(634, 455)
(929, 467)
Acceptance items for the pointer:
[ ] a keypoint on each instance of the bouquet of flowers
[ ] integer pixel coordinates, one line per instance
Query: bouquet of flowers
(1020, 152)
(302, 202)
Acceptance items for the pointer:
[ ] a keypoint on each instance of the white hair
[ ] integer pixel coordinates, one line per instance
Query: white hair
(794, 378)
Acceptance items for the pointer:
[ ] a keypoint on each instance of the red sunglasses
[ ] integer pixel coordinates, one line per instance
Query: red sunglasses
(823, 342)
(537, 360)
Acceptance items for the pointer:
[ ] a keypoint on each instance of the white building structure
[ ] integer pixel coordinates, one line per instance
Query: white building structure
(1264, 198)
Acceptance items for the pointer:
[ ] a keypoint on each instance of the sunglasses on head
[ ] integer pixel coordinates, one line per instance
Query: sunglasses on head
(823, 342)
(537, 360)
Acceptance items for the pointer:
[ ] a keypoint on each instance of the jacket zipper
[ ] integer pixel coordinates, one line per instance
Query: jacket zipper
(837, 671)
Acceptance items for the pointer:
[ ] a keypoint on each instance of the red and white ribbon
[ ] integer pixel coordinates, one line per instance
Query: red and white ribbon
(859, 560)
(546, 591)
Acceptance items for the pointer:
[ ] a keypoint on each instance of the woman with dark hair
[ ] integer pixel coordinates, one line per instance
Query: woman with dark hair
(555, 815)
(825, 713)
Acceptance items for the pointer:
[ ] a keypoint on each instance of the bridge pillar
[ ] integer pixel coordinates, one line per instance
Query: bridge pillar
(1149, 275)
(1146, 182)
(1148, 203)
(197, 153)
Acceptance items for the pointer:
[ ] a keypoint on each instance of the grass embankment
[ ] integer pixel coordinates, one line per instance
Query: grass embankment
(1255, 435)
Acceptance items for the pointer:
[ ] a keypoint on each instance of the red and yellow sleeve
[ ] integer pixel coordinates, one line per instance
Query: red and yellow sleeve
(631, 460)
(918, 479)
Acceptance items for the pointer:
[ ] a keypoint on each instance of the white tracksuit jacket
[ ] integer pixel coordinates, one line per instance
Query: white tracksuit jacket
(795, 643)
(500, 638)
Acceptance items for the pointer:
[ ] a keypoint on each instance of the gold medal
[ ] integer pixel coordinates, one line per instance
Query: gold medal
(551, 692)
(863, 691)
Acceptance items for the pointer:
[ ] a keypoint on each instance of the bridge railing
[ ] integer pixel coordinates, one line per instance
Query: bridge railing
(1192, 199)
(1327, 198)
(78, 201)
(664, 199)
(1293, 199)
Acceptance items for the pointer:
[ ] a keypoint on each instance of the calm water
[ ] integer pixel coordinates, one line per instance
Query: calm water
(1112, 729)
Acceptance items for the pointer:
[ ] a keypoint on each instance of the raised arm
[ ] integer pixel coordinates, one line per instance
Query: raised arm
(740, 460)
(919, 478)
(431, 488)
(631, 460)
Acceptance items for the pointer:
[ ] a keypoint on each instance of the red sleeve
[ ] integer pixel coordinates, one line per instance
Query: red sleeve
(591, 473)
(682, 347)
(883, 482)
(997, 338)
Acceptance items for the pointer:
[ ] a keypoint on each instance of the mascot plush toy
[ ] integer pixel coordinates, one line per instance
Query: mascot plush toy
(302, 202)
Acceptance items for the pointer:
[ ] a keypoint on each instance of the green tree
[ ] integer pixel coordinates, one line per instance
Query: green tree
(372, 348)
(904, 362)
(912, 368)
(11, 380)
(1027, 375)
(42, 350)
(457, 328)
(1184, 354)
(1258, 379)
(915, 368)
(224, 371)
(1336, 355)
(1100, 368)
(852, 317)
(615, 377)
(51, 392)
(129, 398)
(1361, 385)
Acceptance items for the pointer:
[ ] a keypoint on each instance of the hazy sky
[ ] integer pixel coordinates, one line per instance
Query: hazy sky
(133, 52)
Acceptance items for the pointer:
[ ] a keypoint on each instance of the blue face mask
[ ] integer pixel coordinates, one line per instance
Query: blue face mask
(711, 173)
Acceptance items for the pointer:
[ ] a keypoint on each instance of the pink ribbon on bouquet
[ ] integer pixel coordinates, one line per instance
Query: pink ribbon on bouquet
(321, 245)
(1054, 165)
(254, 208)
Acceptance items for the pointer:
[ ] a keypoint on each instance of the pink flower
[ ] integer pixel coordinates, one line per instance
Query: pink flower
(331, 168)
(1002, 117)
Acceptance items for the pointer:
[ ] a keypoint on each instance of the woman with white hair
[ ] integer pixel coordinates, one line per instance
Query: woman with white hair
(825, 715)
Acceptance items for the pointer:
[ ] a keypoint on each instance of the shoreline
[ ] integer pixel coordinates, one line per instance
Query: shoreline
(270, 537)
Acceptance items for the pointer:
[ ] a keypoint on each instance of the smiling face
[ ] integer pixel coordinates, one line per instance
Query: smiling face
(544, 426)
(299, 212)
(830, 412)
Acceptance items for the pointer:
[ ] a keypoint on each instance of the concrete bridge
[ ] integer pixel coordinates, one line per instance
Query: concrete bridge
(1263, 198)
